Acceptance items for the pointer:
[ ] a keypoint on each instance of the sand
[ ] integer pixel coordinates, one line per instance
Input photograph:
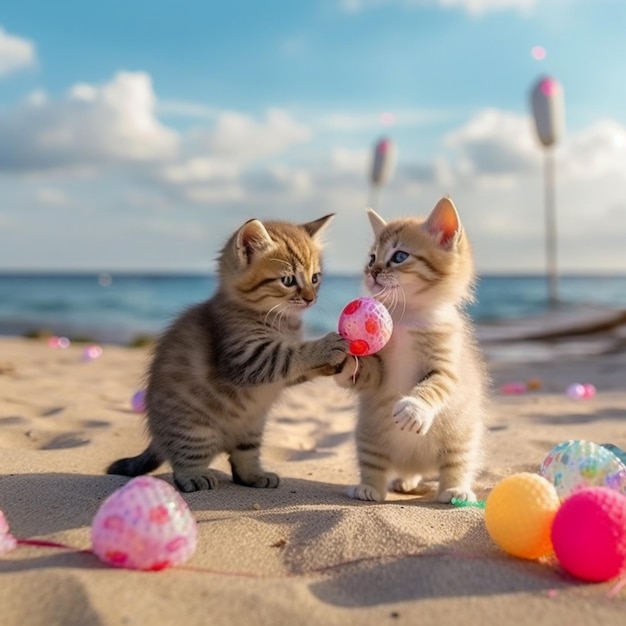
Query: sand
(303, 553)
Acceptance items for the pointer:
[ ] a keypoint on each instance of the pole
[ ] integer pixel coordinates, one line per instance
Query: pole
(550, 209)
(374, 196)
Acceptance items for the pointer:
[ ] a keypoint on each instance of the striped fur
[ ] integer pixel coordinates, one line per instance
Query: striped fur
(219, 368)
(422, 398)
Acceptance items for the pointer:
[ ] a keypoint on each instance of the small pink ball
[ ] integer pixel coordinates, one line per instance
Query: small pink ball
(138, 401)
(59, 343)
(144, 525)
(590, 391)
(366, 324)
(7, 540)
(513, 388)
(589, 534)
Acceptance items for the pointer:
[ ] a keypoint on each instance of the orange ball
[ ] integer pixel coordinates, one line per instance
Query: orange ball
(519, 513)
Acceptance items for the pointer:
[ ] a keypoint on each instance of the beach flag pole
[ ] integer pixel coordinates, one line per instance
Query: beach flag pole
(547, 107)
(383, 163)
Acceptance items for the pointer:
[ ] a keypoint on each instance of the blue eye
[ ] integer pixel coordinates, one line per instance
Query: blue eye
(399, 257)
(289, 281)
(316, 278)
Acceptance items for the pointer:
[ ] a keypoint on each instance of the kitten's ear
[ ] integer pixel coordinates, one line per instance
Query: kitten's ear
(444, 222)
(377, 222)
(315, 227)
(251, 239)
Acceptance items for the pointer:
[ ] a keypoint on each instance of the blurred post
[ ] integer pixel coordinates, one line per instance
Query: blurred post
(547, 108)
(383, 164)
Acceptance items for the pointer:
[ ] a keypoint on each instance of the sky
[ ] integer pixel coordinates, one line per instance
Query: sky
(137, 136)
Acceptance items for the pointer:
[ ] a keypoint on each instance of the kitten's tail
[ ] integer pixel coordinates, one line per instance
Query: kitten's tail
(147, 461)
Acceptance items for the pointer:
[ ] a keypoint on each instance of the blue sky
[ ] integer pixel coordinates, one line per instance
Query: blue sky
(138, 135)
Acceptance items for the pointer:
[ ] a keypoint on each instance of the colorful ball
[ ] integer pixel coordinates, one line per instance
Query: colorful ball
(7, 540)
(144, 525)
(366, 324)
(589, 534)
(513, 388)
(576, 464)
(59, 342)
(519, 513)
(92, 352)
(138, 401)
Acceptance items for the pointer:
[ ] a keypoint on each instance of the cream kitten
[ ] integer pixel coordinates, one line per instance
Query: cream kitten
(422, 397)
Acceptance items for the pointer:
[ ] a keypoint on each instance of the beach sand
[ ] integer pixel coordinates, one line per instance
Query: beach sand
(303, 553)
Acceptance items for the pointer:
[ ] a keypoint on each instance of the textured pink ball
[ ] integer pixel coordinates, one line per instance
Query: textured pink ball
(144, 525)
(589, 534)
(366, 324)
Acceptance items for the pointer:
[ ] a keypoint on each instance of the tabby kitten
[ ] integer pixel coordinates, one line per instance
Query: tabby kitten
(219, 368)
(422, 397)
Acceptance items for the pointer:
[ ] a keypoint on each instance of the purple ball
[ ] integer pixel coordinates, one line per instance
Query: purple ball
(138, 401)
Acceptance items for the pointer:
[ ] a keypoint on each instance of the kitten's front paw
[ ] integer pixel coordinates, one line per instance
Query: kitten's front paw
(333, 349)
(345, 377)
(413, 415)
(464, 495)
(267, 480)
(364, 492)
(195, 482)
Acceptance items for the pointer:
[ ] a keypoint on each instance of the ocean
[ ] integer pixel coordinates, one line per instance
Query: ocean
(123, 308)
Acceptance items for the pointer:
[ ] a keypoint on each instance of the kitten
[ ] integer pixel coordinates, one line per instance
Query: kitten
(422, 397)
(219, 368)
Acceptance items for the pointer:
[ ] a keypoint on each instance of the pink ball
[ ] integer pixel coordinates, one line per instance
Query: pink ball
(513, 388)
(589, 534)
(144, 525)
(366, 324)
(7, 540)
(590, 390)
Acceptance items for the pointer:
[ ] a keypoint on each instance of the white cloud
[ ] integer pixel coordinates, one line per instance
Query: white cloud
(183, 108)
(198, 170)
(351, 121)
(50, 196)
(493, 144)
(344, 161)
(473, 7)
(244, 138)
(498, 147)
(16, 53)
(595, 152)
(114, 123)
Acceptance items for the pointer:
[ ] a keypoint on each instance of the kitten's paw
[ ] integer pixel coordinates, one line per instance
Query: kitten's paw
(333, 349)
(266, 480)
(364, 492)
(345, 377)
(413, 415)
(464, 495)
(407, 485)
(195, 482)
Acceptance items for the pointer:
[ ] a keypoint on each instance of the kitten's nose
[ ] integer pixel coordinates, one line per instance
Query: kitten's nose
(308, 300)
(375, 272)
